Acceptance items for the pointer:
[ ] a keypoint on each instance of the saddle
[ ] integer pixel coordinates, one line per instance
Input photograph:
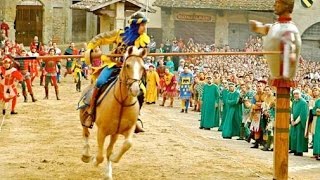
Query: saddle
(84, 101)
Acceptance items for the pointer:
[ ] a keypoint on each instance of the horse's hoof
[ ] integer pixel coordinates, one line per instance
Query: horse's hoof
(113, 158)
(108, 178)
(86, 159)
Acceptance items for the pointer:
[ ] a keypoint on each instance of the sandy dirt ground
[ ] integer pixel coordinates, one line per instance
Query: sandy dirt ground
(44, 141)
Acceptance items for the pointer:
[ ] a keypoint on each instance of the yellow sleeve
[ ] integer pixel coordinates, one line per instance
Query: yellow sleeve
(143, 88)
(105, 38)
(157, 78)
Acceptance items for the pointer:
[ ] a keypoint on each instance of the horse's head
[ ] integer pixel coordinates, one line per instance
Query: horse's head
(133, 69)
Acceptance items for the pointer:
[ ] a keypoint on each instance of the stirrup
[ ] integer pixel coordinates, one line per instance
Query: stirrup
(87, 121)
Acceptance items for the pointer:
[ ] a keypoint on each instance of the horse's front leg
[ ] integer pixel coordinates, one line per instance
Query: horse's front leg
(125, 146)
(113, 139)
(101, 137)
(85, 154)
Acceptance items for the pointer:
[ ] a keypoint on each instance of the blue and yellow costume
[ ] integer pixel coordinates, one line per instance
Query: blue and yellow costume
(122, 39)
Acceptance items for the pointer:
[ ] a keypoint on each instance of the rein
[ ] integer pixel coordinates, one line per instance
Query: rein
(128, 83)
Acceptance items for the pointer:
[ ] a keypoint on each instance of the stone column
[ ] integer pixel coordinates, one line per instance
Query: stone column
(221, 30)
(120, 16)
(167, 24)
(105, 25)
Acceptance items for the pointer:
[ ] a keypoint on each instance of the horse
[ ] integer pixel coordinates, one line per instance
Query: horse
(117, 112)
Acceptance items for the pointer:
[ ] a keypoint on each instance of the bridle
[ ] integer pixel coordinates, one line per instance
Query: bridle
(128, 82)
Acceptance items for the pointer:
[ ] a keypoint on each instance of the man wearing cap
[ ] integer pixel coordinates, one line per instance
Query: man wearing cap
(185, 82)
(152, 85)
(210, 104)
(175, 49)
(231, 126)
(9, 76)
(134, 35)
(152, 45)
(298, 143)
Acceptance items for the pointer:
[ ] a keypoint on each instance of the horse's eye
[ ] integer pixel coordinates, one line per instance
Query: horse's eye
(127, 66)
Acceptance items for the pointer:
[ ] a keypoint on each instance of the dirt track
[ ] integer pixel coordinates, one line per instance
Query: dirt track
(44, 142)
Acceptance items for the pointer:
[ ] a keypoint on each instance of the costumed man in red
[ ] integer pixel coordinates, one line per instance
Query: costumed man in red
(50, 72)
(4, 26)
(170, 87)
(37, 44)
(23, 66)
(33, 63)
(9, 76)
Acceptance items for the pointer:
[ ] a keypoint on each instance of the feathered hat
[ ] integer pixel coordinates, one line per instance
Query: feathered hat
(138, 18)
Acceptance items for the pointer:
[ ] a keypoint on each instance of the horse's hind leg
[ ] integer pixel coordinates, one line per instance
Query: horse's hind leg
(85, 154)
(113, 139)
(101, 137)
(125, 146)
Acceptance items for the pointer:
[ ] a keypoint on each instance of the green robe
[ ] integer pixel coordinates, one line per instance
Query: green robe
(224, 97)
(297, 141)
(233, 118)
(316, 137)
(246, 112)
(208, 111)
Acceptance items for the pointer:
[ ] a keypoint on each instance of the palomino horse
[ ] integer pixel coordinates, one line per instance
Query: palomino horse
(118, 111)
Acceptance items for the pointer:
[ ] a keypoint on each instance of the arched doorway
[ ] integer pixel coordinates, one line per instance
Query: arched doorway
(29, 21)
(311, 43)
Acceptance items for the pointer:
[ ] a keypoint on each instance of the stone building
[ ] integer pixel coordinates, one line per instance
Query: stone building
(48, 19)
(226, 22)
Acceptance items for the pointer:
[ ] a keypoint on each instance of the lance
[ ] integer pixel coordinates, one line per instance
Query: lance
(59, 57)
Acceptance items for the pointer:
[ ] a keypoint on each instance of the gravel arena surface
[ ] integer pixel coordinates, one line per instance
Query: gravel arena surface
(44, 141)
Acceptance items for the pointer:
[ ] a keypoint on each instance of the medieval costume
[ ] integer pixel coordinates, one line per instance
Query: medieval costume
(169, 87)
(316, 130)
(152, 45)
(9, 76)
(256, 114)
(266, 122)
(152, 84)
(77, 69)
(223, 99)
(50, 73)
(161, 72)
(185, 82)
(170, 64)
(33, 63)
(210, 102)
(233, 118)
(71, 50)
(23, 67)
(298, 143)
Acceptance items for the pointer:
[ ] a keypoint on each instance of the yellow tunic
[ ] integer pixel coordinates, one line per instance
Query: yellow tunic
(152, 82)
(77, 68)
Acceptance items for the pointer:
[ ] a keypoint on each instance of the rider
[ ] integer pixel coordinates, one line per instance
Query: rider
(134, 35)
